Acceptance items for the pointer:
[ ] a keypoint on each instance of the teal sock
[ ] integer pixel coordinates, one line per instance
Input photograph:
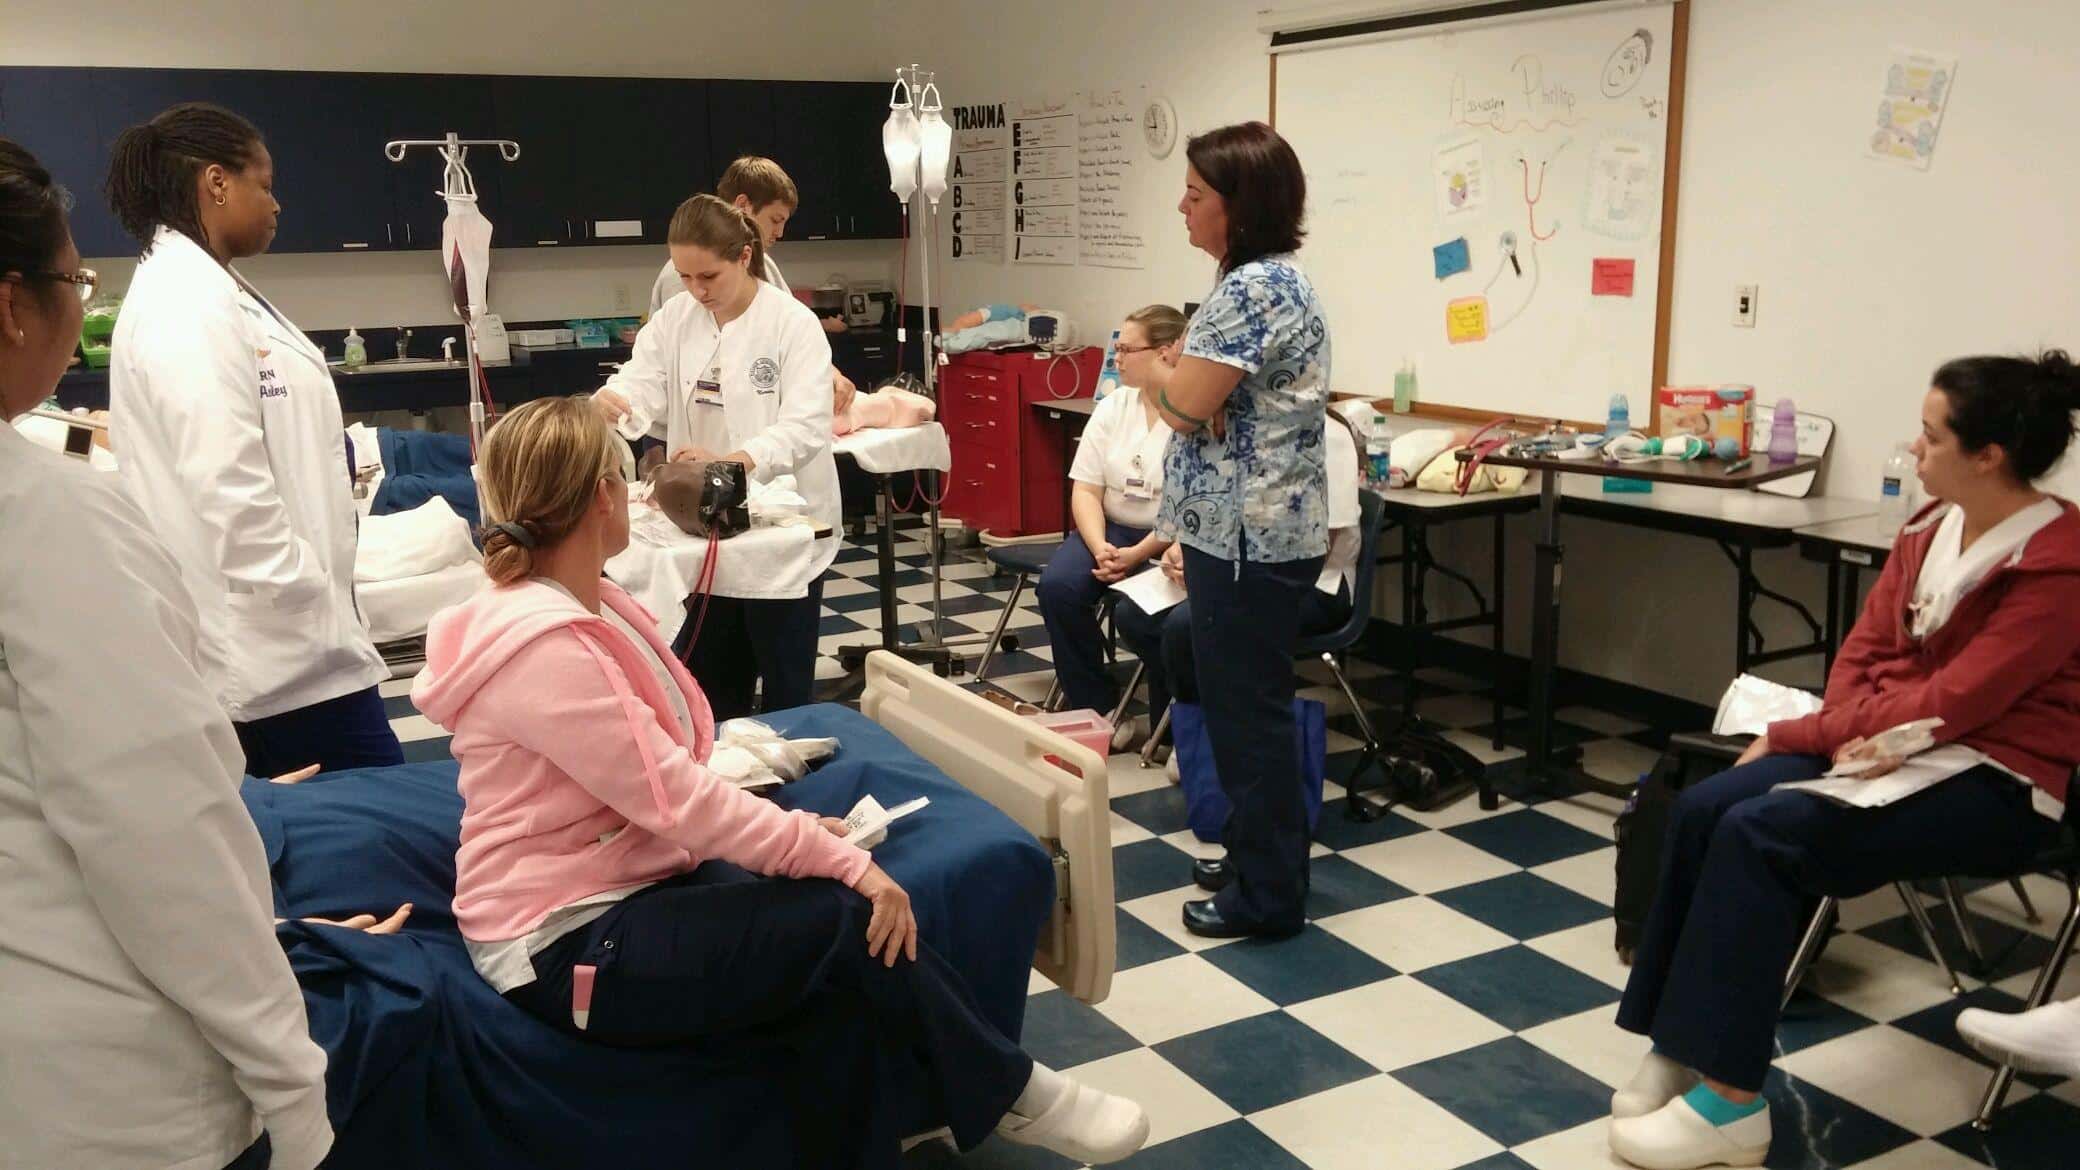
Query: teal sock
(1718, 1110)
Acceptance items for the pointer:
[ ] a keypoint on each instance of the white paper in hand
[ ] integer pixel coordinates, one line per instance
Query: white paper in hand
(1154, 592)
(867, 824)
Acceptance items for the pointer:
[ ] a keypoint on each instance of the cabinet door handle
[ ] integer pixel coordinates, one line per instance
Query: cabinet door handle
(852, 223)
(390, 232)
(408, 234)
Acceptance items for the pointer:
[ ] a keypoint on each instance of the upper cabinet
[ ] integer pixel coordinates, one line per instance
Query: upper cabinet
(603, 160)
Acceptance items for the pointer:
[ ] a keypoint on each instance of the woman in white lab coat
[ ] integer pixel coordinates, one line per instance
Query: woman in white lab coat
(231, 442)
(151, 1020)
(739, 370)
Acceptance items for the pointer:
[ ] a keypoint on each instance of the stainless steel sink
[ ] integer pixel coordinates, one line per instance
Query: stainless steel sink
(402, 364)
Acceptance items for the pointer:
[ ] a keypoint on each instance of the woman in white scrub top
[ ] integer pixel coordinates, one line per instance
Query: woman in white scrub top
(739, 370)
(231, 443)
(150, 1018)
(1118, 478)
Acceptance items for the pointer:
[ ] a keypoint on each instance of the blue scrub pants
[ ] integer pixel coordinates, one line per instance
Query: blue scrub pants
(1245, 621)
(746, 641)
(1742, 871)
(351, 731)
(721, 953)
(1069, 597)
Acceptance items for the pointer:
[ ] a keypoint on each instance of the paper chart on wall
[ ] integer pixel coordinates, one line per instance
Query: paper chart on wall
(1910, 111)
(1108, 138)
(1043, 182)
(1458, 173)
(977, 187)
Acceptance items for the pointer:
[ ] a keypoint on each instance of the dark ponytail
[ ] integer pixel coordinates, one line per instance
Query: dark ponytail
(2024, 404)
(32, 212)
(153, 168)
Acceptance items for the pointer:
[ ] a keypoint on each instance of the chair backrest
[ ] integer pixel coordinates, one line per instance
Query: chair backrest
(1372, 511)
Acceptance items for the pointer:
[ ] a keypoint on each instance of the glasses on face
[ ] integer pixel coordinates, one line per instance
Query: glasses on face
(1131, 350)
(86, 280)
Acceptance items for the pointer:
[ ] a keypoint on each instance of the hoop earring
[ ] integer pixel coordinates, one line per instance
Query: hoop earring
(220, 201)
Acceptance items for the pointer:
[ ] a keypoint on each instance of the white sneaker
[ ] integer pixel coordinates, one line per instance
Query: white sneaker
(1170, 769)
(1658, 1081)
(1129, 732)
(1677, 1137)
(1085, 1125)
(2046, 1040)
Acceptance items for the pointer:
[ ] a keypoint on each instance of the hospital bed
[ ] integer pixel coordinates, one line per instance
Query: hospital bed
(1009, 869)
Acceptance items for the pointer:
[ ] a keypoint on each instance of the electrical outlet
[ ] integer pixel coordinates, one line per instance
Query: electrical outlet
(1744, 305)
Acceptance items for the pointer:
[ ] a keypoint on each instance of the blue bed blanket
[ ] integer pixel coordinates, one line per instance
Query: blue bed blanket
(429, 1067)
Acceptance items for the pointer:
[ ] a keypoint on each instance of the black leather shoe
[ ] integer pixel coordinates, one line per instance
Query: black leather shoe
(1205, 920)
(1212, 874)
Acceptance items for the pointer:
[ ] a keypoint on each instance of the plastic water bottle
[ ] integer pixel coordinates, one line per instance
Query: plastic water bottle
(1619, 421)
(1783, 432)
(1896, 496)
(1404, 386)
(1378, 442)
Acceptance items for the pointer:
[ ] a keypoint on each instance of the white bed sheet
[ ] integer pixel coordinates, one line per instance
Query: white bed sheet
(886, 450)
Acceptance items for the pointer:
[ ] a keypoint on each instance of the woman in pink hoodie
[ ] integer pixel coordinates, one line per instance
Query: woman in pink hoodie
(601, 882)
(1971, 623)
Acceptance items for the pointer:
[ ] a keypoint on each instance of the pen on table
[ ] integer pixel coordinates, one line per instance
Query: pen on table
(1740, 465)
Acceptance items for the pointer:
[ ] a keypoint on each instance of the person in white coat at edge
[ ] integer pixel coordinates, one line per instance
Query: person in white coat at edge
(233, 446)
(739, 370)
(151, 1021)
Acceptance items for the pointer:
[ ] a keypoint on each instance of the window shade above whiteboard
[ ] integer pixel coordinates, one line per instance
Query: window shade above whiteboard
(1487, 202)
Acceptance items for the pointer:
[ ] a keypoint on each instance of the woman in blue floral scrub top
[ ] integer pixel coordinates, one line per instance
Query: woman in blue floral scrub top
(1245, 494)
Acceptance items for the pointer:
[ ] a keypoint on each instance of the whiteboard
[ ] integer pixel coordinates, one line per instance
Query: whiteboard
(1541, 139)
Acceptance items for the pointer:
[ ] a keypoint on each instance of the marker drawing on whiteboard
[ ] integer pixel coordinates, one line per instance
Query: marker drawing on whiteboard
(1628, 64)
(1543, 106)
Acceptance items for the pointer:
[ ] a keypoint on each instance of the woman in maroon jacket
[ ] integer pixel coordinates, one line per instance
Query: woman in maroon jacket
(1972, 622)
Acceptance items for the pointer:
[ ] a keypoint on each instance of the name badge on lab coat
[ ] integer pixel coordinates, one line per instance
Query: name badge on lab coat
(1137, 489)
(708, 391)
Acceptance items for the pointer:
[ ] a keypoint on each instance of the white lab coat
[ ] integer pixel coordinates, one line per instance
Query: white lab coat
(151, 1021)
(1122, 453)
(232, 445)
(668, 285)
(773, 365)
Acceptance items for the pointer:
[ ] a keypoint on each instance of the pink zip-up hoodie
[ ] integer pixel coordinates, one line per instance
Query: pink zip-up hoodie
(576, 776)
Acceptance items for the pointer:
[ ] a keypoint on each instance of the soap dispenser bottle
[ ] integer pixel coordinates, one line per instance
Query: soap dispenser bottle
(356, 355)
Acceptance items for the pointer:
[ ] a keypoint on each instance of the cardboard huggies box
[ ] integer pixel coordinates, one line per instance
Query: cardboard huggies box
(1711, 413)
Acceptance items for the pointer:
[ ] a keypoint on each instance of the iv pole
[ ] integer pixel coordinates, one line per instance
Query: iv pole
(453, 151)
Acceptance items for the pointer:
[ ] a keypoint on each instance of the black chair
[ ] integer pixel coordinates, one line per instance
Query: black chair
(1024, 562)
(1723, 750)
(2061, 858)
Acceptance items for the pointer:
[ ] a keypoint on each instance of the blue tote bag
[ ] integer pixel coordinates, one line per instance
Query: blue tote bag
(1206, 806)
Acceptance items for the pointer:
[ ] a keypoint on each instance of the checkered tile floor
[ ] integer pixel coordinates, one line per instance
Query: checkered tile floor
(1450, 1004)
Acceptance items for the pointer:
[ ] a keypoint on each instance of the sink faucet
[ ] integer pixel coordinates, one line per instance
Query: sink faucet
(448, 350)
(404, 343)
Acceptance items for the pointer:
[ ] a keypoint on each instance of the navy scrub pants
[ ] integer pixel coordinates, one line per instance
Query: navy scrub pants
(720, 952)
(1245, 621)
(1069, 597)
(1742, 871)
(1164, 643)
(746, 641)
(351, 731)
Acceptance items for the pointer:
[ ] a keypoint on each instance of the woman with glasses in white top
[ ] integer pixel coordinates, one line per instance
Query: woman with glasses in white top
(1118, 477)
